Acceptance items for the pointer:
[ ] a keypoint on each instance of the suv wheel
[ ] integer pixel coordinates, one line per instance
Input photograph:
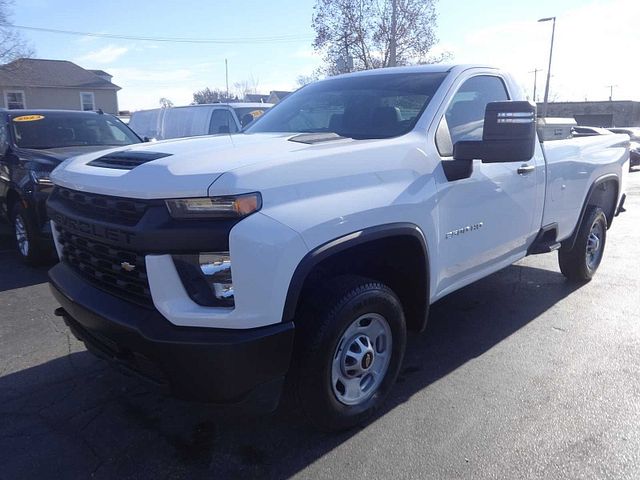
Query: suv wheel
(581, 262)
(349, 351)
(30, 245)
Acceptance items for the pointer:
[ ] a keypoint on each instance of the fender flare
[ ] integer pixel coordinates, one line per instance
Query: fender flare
(571, 240)
(332, 247)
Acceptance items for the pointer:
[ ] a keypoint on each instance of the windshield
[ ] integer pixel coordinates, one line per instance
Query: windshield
(55, 130)
(360, 107)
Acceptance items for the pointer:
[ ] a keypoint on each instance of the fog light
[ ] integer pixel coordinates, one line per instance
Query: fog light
(207, 278)
(216, 267)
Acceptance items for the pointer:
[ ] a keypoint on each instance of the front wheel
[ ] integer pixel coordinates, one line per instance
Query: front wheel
(30, 244)
(349, 349)
(581, 262)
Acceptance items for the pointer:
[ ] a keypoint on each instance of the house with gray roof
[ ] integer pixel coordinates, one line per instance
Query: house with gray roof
(56, 84)
(277, 95)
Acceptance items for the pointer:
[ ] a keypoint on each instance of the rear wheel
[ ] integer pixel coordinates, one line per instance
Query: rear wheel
(581, 262)
(31, 246)
(349, 350)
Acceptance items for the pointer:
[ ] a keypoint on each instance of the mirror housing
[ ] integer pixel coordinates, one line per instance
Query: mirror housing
(509, 134)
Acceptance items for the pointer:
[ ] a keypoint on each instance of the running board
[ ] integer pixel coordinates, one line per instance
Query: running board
(544, 248)
(546, 241)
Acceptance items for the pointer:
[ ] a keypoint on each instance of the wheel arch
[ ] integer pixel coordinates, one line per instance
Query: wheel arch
(354, 252)
(602, 193)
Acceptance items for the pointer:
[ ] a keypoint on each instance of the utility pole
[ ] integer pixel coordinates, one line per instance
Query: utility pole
(546, 88)
(610, 87)
(535, 81)
(394, 31)
(226, 75)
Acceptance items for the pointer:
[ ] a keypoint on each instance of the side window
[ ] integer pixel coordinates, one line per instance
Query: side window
(222, 122)
(464, 118)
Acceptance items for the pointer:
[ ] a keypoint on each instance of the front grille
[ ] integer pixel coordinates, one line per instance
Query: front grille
(121, 211)
(102, 265)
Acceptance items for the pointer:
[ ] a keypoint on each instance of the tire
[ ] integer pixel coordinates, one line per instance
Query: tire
(359, 324)
(581, 262)
(30, 245)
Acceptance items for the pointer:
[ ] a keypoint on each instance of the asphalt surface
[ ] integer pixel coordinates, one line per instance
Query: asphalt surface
(520, 375)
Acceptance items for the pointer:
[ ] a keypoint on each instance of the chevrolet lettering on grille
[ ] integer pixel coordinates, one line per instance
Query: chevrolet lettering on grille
(98, 231)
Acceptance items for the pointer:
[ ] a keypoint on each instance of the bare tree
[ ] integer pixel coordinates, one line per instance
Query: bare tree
(303, 80)
(364, 34)
(207, 95)
(245, 87)
(165, 103)
(12, 44)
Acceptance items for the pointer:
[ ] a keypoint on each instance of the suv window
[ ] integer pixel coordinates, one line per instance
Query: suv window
(464, 118)
(222, 122)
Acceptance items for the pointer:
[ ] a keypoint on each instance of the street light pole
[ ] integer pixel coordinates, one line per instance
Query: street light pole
(535, 82)
(546, 88)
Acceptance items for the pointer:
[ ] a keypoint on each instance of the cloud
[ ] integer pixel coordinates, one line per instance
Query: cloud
(594, 47)
(108, 54)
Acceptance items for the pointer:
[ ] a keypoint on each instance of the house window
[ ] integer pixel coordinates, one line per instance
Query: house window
(87, 101)
(14, 99)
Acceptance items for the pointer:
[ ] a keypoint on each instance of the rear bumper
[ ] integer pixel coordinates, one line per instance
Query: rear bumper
(240, 368)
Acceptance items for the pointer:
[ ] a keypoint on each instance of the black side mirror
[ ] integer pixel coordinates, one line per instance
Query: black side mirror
(509, 134)
(146, 139)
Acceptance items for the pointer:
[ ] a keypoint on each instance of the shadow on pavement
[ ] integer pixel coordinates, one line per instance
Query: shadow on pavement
(75, 417)
(13, 273)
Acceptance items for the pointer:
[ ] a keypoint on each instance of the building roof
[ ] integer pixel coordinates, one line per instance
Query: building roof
(33, 72)
(100, 73)
(256, 97)
(280, 93)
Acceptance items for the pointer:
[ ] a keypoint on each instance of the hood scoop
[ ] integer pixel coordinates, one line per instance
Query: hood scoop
(313, 138)
(127, 160)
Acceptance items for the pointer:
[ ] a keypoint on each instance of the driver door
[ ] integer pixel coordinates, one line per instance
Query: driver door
(485, 215)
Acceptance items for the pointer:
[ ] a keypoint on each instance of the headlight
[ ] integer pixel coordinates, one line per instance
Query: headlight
(207, 278)
(40, 177)
(236, 206)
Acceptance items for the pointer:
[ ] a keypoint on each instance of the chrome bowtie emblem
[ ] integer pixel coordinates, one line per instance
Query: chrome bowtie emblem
(127, 267)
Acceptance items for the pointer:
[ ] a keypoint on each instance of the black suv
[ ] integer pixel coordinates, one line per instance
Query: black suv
(32, 144)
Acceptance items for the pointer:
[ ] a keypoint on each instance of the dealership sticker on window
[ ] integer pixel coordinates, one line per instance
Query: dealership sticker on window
(28, 118)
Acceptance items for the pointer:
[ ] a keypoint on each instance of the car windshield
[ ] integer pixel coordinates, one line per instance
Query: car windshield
(360, 107)
(55, 130)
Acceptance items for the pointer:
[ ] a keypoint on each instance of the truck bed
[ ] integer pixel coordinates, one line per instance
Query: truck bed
(572, 167)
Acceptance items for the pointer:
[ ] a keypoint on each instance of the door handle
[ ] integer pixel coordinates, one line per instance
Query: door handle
(526, 169)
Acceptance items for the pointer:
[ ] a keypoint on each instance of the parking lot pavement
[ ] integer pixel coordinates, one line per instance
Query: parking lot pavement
(520, 375)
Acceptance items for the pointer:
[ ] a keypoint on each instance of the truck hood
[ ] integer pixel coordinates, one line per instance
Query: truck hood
(184, 167)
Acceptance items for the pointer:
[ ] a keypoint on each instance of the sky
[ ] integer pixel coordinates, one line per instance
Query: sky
(596, 43)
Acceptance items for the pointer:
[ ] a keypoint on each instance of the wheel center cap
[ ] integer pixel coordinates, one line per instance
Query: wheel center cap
(367, 360)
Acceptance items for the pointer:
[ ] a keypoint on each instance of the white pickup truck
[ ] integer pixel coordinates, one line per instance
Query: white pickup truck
(306, 246)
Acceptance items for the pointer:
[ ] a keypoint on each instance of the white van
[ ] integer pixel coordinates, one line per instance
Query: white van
(195, 120)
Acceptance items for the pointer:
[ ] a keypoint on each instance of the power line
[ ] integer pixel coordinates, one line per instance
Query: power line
(220, 41)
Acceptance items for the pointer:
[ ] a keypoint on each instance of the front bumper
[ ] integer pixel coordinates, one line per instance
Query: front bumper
(239, 368)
